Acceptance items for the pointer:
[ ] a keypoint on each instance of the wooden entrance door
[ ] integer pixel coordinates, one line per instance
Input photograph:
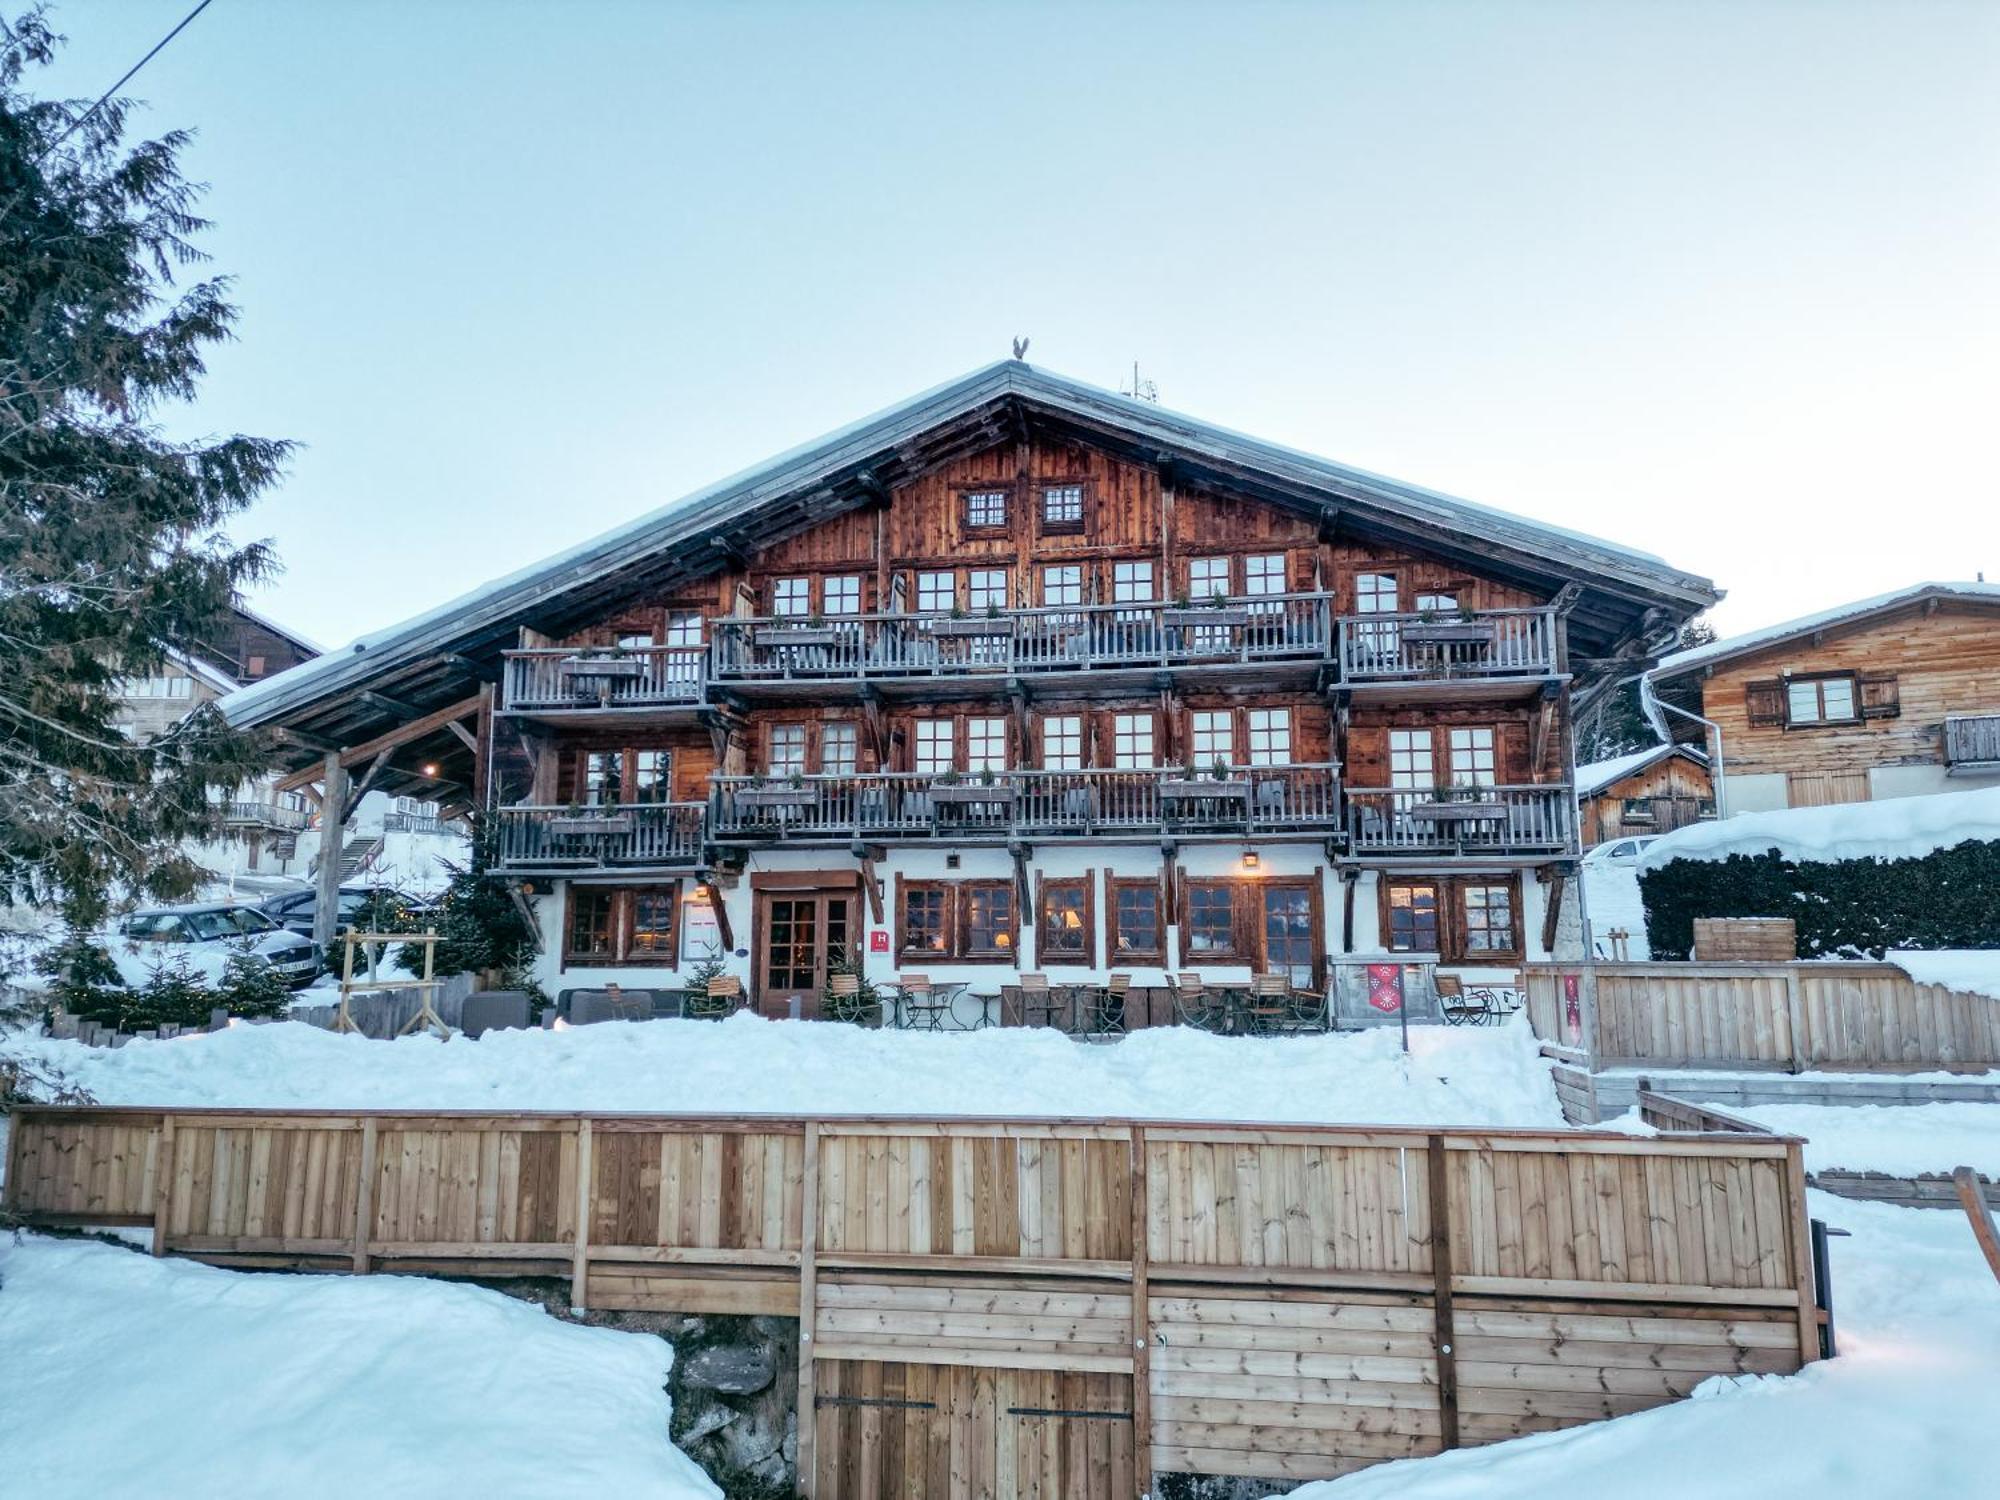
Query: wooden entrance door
(801, 934)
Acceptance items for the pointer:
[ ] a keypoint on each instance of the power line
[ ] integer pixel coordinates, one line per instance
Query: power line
(130, 74)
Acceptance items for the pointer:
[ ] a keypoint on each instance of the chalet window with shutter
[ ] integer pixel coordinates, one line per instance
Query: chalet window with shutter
(987, 924)
(1136, 928)
(926, 924)
(1764, 702)
(1467, 919)
(590, 933)
(1062, 507)
(620, 925)
(985, 510)
(1068, 936)
(1880, 694)
(1820, 700)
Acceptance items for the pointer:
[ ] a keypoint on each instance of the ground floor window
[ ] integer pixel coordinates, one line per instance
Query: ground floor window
(1273, 926)
(618, 924)
(1461, 918)
(1137, 930)
(1066, 924)
(971, 921)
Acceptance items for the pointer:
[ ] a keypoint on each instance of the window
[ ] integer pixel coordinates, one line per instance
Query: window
(933, 752)
(1264, 575)
(1290, 933)
(1068, 932)
(843, 595)
(985, 744)
(1472, 757)
(1488, 920)
(988, 926)
(652, 776)
(1211, 737)
(1132, 741)
(786, 755)
(1062, 743)
(157, 687)
(1636, 810)
(1131, 582)
(837, 750)
(791, 596)
(1375, 593)
(638, 641)
(1270, 736)
(603, 775)
(1410, 762)
(621, 925)
(1136, 929)
(1820, 700)
(1207, 577)
(936, 592)
(986, 588)
(1412, 925)
(684, 629)
(974, 921)
(1062, 507)
(926, 921)
(1211, 921)
(254, 667)
(985, 510)
(1062, 585)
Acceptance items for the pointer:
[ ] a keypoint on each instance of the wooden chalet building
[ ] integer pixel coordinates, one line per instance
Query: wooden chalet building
(1650, 791)
(1895, 696)
(1016, 675)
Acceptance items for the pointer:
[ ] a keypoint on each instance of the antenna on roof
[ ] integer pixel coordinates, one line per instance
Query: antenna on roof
(1020, 347)
(1140, 390)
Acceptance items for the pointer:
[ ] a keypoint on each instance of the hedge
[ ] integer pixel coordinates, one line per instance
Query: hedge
(1847, 908)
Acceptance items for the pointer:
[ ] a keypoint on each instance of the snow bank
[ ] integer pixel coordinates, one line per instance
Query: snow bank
(126, 1375)
(1612, 892)
(1460, 1076)
(1898, 1416)
(1900, 828)
(1973, 969)
(1903, 1140)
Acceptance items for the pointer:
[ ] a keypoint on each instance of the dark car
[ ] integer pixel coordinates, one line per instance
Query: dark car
(296, 910)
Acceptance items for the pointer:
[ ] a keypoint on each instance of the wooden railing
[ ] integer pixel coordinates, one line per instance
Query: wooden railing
(571, 677)
(264, 815)
(1972, 742)
(630, 834)
(1247, 799)
(1059, 638)
(1848, 1017)
(1477, 643)
(1460, 819)
(1285, 1301)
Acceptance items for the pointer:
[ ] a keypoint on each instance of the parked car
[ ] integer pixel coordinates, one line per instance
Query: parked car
(208, 935)
(295, 910)
(1620, 851)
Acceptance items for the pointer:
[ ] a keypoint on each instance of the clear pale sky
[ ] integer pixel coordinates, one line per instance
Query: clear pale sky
(1717, 280)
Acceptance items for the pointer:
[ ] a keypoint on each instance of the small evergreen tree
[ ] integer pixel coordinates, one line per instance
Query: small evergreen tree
(251, 987)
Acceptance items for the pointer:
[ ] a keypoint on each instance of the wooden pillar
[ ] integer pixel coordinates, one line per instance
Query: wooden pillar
(1447, 1358)
(1142, 1342)
(808, 1414)
(364, 1192)
(163, 1184)
(586, 1204)
(332, 835)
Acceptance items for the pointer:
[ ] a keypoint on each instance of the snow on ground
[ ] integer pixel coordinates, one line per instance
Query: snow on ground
(1612, 894)
(1903, 1140)
(1453, 1075)
(1902, 1414)
(1973, 969)
(1898, 828)
(126, 1375)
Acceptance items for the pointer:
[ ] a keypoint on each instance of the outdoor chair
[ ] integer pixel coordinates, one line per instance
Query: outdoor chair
(494, 1010)
(1104, 1010)
(1041, 1006)
(1196, 1005)
(1459, 1008)
(723, 995)
(923, 1007)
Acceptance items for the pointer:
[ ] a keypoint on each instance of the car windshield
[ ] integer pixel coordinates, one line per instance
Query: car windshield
(230, 922)
(155, 927)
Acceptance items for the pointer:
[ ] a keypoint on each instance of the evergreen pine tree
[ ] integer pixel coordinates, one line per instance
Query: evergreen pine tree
(113, 553)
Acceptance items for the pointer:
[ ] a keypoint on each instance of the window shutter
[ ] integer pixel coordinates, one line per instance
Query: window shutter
(1881, 698)
(1765, 701)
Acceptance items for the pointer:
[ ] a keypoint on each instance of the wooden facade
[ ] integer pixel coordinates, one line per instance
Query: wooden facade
(995, 1306)
(1663, 794)
(1889, 700)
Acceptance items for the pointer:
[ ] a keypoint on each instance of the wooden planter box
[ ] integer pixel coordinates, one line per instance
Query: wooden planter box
(795, 635)
(776, 796)
(1459, 812)
(962, 792)
(1188, 791)
(592, 823)
(981, 629)
(1448, 633)
(601, 666)
(1194, 617)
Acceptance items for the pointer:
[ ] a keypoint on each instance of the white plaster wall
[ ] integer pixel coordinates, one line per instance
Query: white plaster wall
(1885, 782)
(1765, 792)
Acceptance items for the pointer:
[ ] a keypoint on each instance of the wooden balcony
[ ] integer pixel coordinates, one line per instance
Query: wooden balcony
(1245, 800)
(572, 840)
(243, 813)
(1269, 638)
(1972, 745)
(573, 683)
(1479, 655)
(1428, 821)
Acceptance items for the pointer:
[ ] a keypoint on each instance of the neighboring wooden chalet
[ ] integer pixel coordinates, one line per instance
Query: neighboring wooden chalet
(1654, 790)
(1019, 674)
(1894, 696)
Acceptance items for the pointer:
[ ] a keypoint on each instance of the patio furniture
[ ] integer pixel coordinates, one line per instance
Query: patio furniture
(921, 1005)
(1268, 1005)
(494, 1010)
(1042, 1006)
(1197, 1005)
(1460, 1008)
(843, 999)
(723, 995)
(1101, 1009)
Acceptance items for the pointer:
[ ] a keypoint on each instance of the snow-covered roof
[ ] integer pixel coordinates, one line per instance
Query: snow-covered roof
(1625, 579)
(1599, 774)
(1681, 662)
(304, 643)
(1898, 828)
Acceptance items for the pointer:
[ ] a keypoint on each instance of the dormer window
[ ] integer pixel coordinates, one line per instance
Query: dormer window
(1062, 507)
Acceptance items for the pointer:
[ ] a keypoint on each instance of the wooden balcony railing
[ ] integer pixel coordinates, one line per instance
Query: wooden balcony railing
(1093, 637)
(242, 812)
(1972, 743)
(570, 677)
(1433, 819)
(1479, 644)
(652, 834)
(1245, 799)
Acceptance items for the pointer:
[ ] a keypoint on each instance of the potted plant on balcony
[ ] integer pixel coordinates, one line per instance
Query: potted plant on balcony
(991, 622)
(1459, 802)
(597, 820)
(792, 791)
(812, 630)
(984, 787)
(601, 664)
(1456, 626)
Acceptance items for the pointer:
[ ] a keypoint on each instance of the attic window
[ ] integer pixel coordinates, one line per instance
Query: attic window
(985, 510)
(1062, 507)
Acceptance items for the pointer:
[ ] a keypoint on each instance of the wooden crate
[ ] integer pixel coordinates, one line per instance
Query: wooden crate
(1749, 940)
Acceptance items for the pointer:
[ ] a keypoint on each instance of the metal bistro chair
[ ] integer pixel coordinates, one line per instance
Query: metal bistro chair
(919, 1006)
(843, 998)
(1104, 1009)
(1498, 1001)
(1459, 1008)
(1042, 1006)
(1198, 1006)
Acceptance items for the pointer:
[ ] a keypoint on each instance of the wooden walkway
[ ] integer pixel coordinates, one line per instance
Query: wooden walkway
(1022, 1306)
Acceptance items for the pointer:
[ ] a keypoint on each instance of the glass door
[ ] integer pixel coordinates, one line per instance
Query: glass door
(802, 937)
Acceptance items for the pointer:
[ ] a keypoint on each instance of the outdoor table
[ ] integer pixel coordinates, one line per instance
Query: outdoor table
(932, 1011)
(1055, 1007)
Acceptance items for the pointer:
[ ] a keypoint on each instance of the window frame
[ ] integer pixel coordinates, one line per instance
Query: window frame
(1817, 682)
(781, 591)
(1083, 889)
(622, 914)
(969, 521)
(852, 583)
(1115, 889)
(1452, 925)
(1073, 739)
(1237, 951)
(1062, 525)
(955, 899)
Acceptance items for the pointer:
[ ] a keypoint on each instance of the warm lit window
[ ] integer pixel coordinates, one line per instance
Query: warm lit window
(988, 928)
(1270, 736)
(986, 744)
(787, 755)
(972, 921)
(1413, 917)
(1132, 741)
(1487, 915)
(1472, 757)
(1207, 577)
(651, 935)
(1212, 737)
(1135, 922)
(1062, 743)
(843, 595)
(1131, 582)
(936, 592)
(986, 588)
(652, 776)
(926, 921)
(837, 750)
(1820, 700)
(1062, 585)
(985, 509)
(1464, 919)
(592, 931)
(1062, 506)
(791, 596)
(933, 746)
(620, 925)
(1065, 925)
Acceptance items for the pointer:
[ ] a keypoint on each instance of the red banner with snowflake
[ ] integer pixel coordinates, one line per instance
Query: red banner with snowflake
(1385, 987)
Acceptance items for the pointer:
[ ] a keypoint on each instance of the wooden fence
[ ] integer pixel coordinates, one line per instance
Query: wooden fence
(1011, 1306)
(1847, 1017)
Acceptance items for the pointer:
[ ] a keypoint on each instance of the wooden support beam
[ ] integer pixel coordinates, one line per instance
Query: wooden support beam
(163, 1186)
(353, 802)
(1552, 900)
(808, 1416)
(364, 1194)
(465, 736)
(332, 834)
(1142, 1338)
(586, 1194)
(871, 882)
(304, 741)
(1445, 1338)
(722, 929)
(1973, 1201)
(395, 707)
(394, 739)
